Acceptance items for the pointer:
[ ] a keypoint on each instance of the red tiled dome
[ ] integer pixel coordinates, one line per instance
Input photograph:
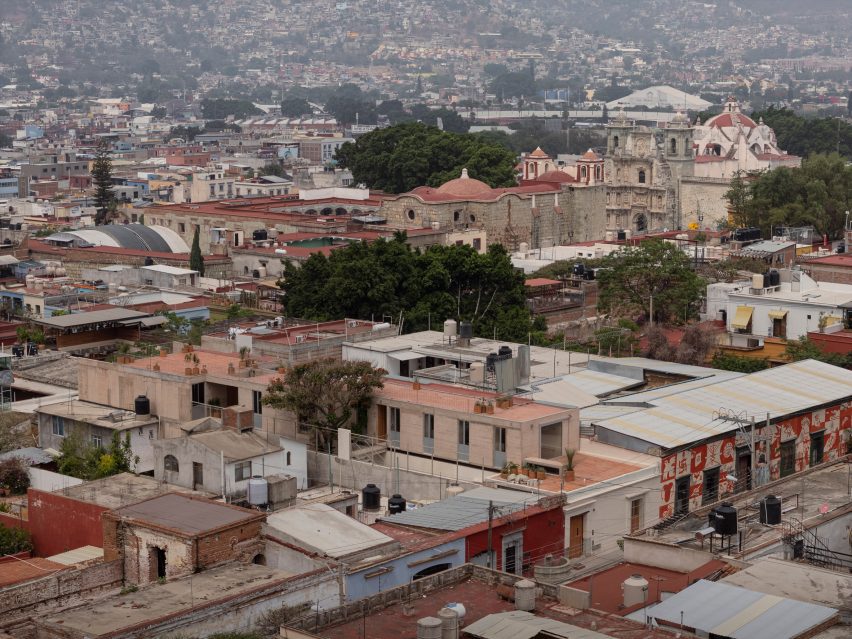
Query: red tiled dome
(726, 120)
(556, 176)
(464, 187)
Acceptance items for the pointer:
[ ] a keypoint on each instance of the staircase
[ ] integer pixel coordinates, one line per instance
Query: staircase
(809, 548)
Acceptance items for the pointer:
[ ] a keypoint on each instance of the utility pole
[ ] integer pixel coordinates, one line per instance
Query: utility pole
(490, 530)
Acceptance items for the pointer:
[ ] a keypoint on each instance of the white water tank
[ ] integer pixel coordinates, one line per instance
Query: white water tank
(461, 611)
(454, 489)
(635, 590)
(261, 271)
(523, 247)
(450, 328)
(436, 226)
(429, 628)
(525, 595)
(757, 281)
(477, 373)
(449, 623)
(380, 326)
(258, 491)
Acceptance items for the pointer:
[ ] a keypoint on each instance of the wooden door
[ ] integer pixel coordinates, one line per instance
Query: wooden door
(575, 536)
(382, 422)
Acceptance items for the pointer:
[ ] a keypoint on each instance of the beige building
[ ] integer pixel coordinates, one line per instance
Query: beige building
(470, 426)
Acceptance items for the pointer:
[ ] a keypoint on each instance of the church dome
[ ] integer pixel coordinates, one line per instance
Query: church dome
(556, 176)
(465, 187)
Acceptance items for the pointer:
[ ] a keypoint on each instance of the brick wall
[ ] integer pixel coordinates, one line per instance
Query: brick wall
(233, 544)
(59, 523)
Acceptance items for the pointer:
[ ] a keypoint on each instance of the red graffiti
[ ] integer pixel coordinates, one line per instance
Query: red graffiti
(698, 459)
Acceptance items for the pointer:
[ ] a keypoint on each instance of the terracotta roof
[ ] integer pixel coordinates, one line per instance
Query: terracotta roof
(555, 176)
(590, 155)
(541, 281)
(465, 186)
(731, 119)
(538, 153)
(15, 571)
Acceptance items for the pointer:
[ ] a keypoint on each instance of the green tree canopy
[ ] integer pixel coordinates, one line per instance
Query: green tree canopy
(196, 259)
(818, 194)
(348, 104)
(387, 278)
(14, 540)
(293, 107)
(513, 84)
(324, 394)
(807, 136)
(656, 270)
(102, 180)
(402, 157)
(87, 461)
(221, 108)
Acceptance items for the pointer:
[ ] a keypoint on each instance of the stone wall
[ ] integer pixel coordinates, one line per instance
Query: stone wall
(706, 195)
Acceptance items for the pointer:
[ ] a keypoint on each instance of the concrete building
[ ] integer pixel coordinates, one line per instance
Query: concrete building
(202, 461)
(95, 425)
(174, 535)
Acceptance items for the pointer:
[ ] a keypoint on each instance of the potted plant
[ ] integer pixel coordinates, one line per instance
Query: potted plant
(244, 352)
(529, 471)
(195, 363)
(568, 471)
(164, 351)
(489, 408)
(513, 468)
(540, 473)
(216, 407)
(156, 366)
(504, 472)
(477, 407)
(231, 369)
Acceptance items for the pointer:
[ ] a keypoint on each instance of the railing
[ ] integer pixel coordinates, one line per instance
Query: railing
(809, 547)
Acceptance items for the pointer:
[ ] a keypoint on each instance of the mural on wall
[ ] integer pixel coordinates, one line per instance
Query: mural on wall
(722, 453)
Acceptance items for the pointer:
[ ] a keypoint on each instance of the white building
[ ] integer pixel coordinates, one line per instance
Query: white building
(789, 309)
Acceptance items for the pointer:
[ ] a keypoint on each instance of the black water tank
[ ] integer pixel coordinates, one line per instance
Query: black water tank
(770, 510)
(490, 361)
(371, 497)
(775, 276)
(142, 405)
(258, 235)
(505, 352)
(579, 268)
(466, 330)
(396, 504)
(726, 520)
(149, 261)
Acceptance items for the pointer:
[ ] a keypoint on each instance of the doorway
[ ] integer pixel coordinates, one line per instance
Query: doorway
(575, 536)
(512, 547)
(156, 563)
(681, 506)
(198, 476)
(381, 422)
(743, 471)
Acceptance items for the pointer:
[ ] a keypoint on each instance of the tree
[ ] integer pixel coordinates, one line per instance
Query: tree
(803, 348)
(324, 394)
(14, 540)
(14, 476)
(655, 274)
(513, 84)
(196, 260)
(293, 107)
(87, 461)
(348, 104)
(102, 179)
(221, 108)
(400, 158)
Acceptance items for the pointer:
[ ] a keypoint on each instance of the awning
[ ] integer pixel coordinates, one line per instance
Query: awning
(743, 317)
(405, 356)
(777, 314)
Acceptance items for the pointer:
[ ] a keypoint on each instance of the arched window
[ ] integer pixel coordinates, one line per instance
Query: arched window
(598, 172)
(583, 171)
(615, 142)
(673, 146)
(641, 177)
(170, 464)
(641, 223)
(288, 458)
(456, 216)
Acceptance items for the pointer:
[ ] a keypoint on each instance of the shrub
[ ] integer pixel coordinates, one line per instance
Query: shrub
(14, 476)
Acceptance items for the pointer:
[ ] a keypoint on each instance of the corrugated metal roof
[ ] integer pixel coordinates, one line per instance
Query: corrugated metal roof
(463, 510)
(740, 613)
(91, 317)
(687, 417)
(518, 624)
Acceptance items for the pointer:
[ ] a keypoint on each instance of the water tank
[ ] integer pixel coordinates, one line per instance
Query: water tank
(450, 328)
(491, 360)
(774, 278)
(371, 497)
(258, 491)
(579, 269)
(149, 261)
(142, 405)
(505, 352)
(525, 595)
(396, 504)
(461, 611)
(466, 330)
(261, 271)
(725, 521)
(523, 247)
(477, 373)
(436, 226)
(258, 235)
(757, 281)
(61, 272)
(634, 590)
(770, 510)
(429, 628)
(449, 623)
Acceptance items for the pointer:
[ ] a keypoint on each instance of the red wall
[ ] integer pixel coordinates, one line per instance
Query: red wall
(59, 523)
(544, 532)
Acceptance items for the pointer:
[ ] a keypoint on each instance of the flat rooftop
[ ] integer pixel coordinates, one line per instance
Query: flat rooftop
(120, 490)
(216, 364)
(186, 515)
(98, 415)
(480, 599)
(120, 612)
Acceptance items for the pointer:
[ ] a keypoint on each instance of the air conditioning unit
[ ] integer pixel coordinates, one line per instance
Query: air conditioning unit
(300, 339)
(352, 323)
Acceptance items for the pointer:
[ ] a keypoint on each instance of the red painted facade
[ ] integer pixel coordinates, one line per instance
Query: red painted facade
(541, 528)
(722, 453)
(59, 523)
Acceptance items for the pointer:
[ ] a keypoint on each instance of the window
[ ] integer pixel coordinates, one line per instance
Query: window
(500, 440)
(181, 227)
(170, 464)
(711, 486)
(615, 142)
(58, 425)
(635, 515)
(456, 216)
(289, 459)
(788, 457)
(97, 441)
(394, 419)
(410, 214)
(429, 426)
(673, 146)
(464, 432)
(257, 402)
(477, 244)
(242, 471)
(472, 218)
(641, 177)
(817, 448)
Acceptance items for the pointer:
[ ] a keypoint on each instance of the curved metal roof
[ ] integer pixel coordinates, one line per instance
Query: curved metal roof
(136, 236)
